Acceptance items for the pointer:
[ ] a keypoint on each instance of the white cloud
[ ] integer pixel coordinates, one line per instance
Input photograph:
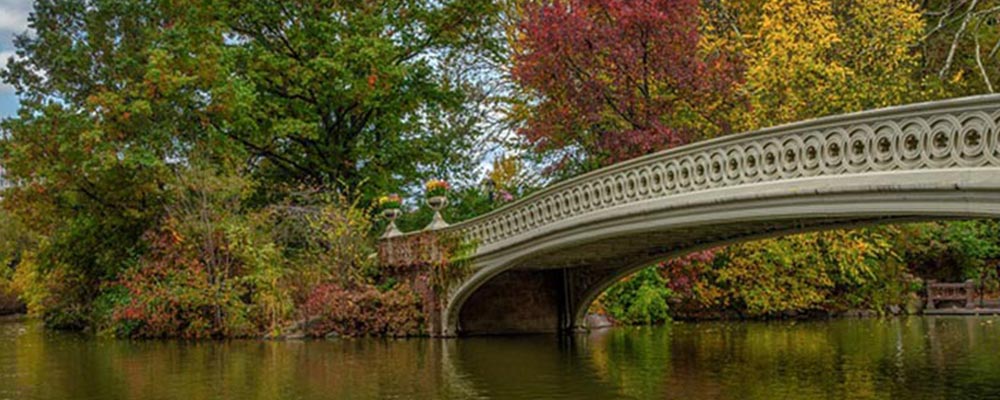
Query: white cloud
(14, 15)
(13, 20)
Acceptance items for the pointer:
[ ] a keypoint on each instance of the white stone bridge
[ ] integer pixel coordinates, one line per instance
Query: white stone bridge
(540, 262)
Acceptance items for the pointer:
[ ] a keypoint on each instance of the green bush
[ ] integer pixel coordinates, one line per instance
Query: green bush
(638, 299)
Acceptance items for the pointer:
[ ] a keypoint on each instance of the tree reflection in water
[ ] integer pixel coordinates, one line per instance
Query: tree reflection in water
(912, 358)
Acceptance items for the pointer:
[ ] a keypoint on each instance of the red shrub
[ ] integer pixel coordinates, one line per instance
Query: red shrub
(363, 311)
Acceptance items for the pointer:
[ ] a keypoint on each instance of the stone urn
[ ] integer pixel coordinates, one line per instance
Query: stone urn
(437, 203)
(391, 214)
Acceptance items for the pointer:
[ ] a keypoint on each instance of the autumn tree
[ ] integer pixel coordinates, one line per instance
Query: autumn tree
(806, 59)
(617, 79)
(116, 98)
(125, 103)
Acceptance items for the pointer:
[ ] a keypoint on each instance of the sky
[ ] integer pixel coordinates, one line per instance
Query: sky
(13, 20)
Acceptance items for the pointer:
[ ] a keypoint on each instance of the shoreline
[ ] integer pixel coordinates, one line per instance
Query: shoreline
(18, 316)
(854, 314)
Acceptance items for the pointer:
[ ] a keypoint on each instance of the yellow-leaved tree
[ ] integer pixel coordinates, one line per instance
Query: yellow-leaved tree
(807, 59)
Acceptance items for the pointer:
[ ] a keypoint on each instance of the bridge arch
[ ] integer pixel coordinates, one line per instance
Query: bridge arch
(559, 248)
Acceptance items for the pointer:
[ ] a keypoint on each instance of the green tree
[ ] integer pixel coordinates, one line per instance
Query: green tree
(359, 94)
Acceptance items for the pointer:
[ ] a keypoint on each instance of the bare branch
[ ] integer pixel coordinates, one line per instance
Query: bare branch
(979, 62)
(958, 36)
(994, 51)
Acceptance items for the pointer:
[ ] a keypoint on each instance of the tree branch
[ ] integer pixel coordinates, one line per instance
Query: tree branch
(958, 35)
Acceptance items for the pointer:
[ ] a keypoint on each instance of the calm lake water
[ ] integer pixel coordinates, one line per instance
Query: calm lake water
(912, 358)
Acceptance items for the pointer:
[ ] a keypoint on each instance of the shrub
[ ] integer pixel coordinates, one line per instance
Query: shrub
(15, 242)
(363, 310)
(639, 299)
(10, 301)
(173, 292)
(217, 268)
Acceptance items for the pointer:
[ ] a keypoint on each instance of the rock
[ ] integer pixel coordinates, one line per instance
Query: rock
(915, 304)
(332, 335)
(860, 313)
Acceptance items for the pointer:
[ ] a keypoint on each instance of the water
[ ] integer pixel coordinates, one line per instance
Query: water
(913, 358)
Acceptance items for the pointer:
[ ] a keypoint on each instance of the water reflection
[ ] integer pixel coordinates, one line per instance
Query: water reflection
(915, 358)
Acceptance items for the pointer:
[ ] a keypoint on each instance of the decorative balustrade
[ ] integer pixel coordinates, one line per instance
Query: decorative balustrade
(958, 133)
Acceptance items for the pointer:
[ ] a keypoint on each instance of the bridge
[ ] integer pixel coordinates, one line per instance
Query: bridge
(538, 263)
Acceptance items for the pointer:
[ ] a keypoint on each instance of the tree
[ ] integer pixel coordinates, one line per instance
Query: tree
(356, 94)
(962, 45)
(122, 99)
(115, 96)
(614, 80)
(806, 59)
(810, 59)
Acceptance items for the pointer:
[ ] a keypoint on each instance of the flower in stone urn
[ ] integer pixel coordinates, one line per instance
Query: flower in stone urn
(437, 193)
(437, 198)
(390, 205)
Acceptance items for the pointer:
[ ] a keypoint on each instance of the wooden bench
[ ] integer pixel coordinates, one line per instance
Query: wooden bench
(937, 292)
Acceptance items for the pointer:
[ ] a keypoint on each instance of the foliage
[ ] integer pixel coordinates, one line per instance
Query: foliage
(771, 62)
(208, 169)
(176, 292)
(355, 94)
(804, 60)
(616, 79)
(213, 268)
(55, 293)
(506, 180)
(840, 269)
(961, 45)
(954, 251)
(810, 59)
(114, 97)
(190, 283)
(390, 202)
(638, 299)
(154, 142)
(16, 243)
(363, 311)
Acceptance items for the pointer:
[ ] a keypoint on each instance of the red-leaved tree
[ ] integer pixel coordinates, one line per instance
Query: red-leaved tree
(616, 79)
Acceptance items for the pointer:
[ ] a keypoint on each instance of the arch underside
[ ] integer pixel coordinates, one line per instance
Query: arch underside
(546, 283)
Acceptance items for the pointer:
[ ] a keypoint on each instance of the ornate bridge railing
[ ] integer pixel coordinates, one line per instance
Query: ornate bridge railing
(957, 133)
